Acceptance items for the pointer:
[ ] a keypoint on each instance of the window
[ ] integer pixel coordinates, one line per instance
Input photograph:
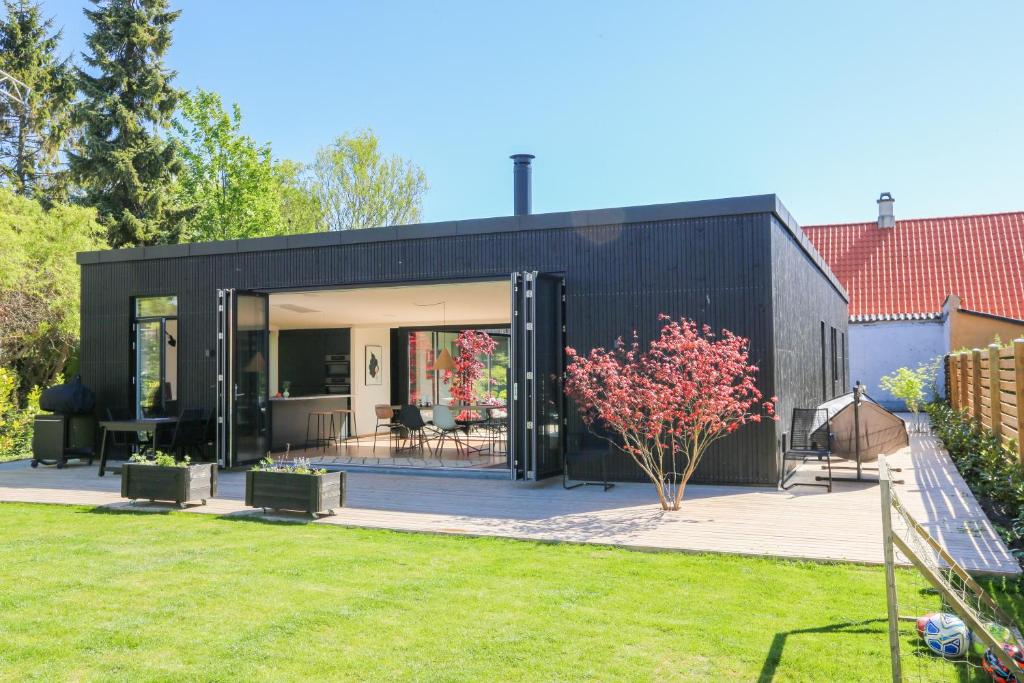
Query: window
(155, 346)
(846, 360)
(824, 370)
(426, 385)
(835, 358)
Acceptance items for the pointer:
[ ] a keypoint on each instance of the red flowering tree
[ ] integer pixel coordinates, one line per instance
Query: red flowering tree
(468, 367)
(665, 405)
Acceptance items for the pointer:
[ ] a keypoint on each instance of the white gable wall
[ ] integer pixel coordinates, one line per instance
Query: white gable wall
(878, 348)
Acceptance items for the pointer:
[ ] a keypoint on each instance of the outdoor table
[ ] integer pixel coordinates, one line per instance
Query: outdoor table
(145, 424)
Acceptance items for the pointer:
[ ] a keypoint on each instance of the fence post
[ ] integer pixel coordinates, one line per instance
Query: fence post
(976, 384)
(964, 379)
(1018, 383)
(995, 404)
(953, 380)
(891, 601)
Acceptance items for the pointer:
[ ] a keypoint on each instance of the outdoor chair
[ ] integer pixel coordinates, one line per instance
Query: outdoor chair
(413, 426)
(805, 443)
(445, 426)
(129, 441)
(188, 437)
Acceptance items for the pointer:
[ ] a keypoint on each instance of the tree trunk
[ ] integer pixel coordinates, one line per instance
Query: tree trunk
(678, 502)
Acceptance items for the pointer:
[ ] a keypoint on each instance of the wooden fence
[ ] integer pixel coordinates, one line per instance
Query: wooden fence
(989, 384)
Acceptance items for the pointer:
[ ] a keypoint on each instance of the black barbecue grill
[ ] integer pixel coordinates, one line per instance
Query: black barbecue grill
(68, 429)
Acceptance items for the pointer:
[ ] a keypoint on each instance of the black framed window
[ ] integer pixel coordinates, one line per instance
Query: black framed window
(824, 369)
(426, 385)
(155, 335)
(835, 357)
(846, 359)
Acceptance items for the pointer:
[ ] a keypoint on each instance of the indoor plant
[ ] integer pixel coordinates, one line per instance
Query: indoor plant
(294, 486)
(165, 478)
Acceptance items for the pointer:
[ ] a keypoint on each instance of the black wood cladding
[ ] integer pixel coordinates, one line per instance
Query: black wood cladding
(745, 273)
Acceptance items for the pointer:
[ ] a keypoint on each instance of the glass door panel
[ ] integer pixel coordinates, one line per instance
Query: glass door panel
(548, 355)
(148, 368)
(252, 381)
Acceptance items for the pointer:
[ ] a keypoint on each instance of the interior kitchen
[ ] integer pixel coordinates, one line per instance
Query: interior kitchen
(310, 375)
(343, 355)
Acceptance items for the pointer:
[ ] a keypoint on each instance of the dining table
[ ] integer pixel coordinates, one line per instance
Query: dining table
(482, 409)
(148, 425)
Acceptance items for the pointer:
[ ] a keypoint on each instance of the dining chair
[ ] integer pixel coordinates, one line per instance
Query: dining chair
(385, 420)
(411, 420)
(445, 426)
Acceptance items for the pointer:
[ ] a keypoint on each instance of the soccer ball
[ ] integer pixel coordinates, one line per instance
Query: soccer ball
(998, 631)
(994, 668)
(921, 621)
(945, 634)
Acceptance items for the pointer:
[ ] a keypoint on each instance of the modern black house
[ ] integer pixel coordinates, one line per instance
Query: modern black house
(261, 331)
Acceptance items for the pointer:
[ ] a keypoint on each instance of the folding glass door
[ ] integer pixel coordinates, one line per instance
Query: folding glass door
(537, 404)
(243, 381)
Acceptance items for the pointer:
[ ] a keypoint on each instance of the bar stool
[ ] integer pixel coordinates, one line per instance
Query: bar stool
(350, 424)
(324, 432)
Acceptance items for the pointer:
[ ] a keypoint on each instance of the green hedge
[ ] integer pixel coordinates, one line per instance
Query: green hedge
(990, 469)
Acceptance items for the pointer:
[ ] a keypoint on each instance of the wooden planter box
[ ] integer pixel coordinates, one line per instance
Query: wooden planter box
(313, 494)
(176, 484)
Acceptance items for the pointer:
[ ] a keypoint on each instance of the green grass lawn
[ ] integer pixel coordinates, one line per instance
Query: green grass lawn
(88, 594)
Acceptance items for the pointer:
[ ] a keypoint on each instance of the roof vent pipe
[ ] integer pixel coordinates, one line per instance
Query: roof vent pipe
(523, 194)
(886, 217)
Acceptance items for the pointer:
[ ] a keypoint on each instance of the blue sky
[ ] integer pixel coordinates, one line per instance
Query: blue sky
(825, 104)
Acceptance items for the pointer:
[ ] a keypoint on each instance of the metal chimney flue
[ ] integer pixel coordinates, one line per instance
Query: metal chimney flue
(523, 193)
(886, 215)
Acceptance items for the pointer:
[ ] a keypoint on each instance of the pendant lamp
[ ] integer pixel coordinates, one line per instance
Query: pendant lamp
(444, 360)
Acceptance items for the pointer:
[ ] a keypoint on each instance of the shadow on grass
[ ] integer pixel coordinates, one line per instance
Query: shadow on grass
(258, 516)
(130, 510)
(774, 658)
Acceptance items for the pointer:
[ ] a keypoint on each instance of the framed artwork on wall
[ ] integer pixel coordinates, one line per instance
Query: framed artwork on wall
(374, 365)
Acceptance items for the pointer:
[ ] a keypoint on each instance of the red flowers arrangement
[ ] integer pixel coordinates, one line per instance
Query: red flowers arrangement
(666, 404)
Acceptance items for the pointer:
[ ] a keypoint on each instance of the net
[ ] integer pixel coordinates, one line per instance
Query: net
(951, 629)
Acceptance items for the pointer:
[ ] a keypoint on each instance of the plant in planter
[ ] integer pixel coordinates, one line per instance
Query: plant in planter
(294, 486)
(665, 405)
(164, 478)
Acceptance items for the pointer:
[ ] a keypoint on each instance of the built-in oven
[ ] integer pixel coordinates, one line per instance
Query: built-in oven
(337, 385)
(337, 365)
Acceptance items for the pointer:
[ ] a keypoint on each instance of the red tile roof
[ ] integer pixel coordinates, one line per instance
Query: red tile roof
(912, 268)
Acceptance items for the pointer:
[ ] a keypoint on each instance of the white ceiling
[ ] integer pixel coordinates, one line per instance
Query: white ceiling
(465, 303)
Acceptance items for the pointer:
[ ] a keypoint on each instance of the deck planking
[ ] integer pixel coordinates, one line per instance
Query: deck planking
(803, 523)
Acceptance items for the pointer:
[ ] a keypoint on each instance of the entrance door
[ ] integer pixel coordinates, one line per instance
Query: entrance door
(243, 380)
(537, 405)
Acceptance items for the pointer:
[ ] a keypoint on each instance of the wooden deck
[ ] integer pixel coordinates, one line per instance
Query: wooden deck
(804, 523)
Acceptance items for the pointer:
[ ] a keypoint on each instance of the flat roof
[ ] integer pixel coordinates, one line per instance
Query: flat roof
(705, 208)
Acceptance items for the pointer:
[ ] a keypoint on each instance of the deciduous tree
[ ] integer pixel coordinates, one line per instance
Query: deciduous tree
(39, 285)
(666, 404)
(468, 367)
(227, 176)
(360, 188)
(300, 209)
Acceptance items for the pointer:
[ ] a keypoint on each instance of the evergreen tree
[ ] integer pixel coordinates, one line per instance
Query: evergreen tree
(33, 135)
(126, 169)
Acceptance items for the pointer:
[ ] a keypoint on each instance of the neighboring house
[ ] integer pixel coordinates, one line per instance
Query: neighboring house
(579, 278)
(920, 288)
